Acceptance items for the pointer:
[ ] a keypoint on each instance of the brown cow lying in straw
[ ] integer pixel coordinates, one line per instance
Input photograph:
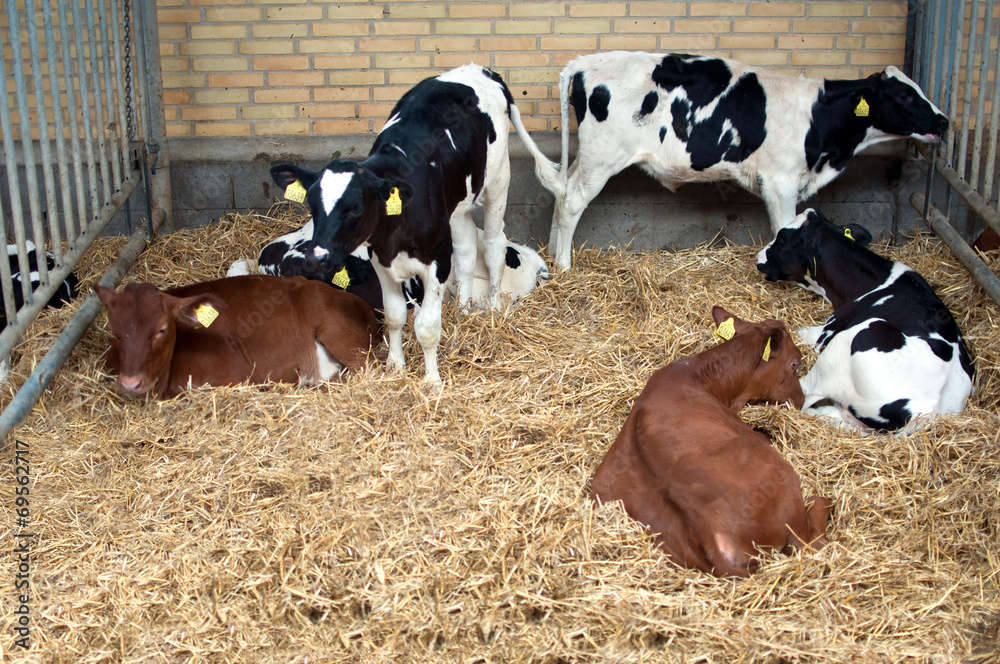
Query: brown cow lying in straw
(225, 332)
(686, 465)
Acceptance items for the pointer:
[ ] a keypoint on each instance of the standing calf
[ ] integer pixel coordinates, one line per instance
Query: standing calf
(688, 118)
(711, 487)
(225, 332)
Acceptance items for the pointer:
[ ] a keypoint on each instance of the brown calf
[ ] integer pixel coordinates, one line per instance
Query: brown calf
(686, 465)
(225, 332)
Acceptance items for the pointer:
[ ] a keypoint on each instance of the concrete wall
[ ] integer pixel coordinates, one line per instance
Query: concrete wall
(213, 177)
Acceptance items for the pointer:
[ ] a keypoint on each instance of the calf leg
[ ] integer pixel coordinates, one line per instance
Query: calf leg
(779, 199)
(427, 325)
(580, 190)
(464, 252)
(494, 203)
(394, 308)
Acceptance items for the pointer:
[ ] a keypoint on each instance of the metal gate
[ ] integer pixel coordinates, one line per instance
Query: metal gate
(82, 127)
(956, 61)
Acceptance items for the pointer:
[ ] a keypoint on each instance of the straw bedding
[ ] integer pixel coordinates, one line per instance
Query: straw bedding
(383, 520)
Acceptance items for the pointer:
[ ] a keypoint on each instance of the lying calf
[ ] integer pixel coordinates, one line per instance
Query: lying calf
(711, 487)
(225, 332)
(523, 268)
(891, 351)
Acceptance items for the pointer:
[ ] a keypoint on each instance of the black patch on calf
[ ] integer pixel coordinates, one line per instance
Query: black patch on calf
(663, 133)
(578, 96)
(649, 103)
(702, 80)
(744, 107)
(67, 289)
(892, 416)
(513, 258)
(880, 336)
(599, 100)
(679, 110)
(496, 78)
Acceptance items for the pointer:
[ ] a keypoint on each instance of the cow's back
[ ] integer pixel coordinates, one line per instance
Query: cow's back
(643, 115)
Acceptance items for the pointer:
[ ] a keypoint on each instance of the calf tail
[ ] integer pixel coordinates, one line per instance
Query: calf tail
(548, 172)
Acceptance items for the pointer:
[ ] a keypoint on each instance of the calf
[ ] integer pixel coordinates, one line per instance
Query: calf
(225, 332)
(711, 487)
(67, 289)
(443, 150)
(687, 118)
(891, 351)
(523, 268)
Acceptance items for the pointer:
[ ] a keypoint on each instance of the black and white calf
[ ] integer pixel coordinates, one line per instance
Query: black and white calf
(891, 351)
(523, 269)
(442, 151)
(67, 289)
(687, 118)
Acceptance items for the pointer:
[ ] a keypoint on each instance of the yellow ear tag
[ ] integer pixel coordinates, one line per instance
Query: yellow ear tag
(726, 329)
(767, 351)
(394, 206)
(847, 234)
(341, 280)
(206, 314)
(861, 110)
(295, 192)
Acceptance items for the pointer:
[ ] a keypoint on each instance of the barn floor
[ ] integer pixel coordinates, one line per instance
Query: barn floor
(383, 520)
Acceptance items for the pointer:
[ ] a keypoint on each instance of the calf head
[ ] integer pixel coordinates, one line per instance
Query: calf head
(796, 251)
(772, 354)
(899, 107)
(144, 321)
(346, 201)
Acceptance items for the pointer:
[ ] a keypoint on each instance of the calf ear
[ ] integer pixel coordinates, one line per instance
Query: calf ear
(197, 312)
(385, 186)
(285, 174)
(858, 233)
(106, 294)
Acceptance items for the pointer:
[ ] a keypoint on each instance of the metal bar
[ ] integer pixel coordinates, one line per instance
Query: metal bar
(991, 151)
(69, 76)
(45, 147)
(60, 129)
(114, 156)
(965, 254)
(102, 146)
(960, 164)
(976, 202)
(950, 103)
(119, 73)
(977, 140)
(6, 127)
(156, 139)
(29, 165)
(88, 140)
(29, 393)
(12, 334)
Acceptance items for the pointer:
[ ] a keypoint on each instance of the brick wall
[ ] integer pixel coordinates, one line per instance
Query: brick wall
(287, 67)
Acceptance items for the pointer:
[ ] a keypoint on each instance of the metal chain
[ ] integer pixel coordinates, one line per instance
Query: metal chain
(126, 18)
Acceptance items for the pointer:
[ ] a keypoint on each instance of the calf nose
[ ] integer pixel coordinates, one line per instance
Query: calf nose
(131, 384)
(942, 124)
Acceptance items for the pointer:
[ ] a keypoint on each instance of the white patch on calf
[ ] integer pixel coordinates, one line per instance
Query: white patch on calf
(331, 188)
(329, 368)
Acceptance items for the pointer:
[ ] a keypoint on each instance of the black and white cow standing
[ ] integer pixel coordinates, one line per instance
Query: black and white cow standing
(523, 269)
(442, 150)
(688, 118)
(891, 351)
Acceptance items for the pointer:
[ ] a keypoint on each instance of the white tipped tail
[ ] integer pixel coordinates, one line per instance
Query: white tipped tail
(549, 173)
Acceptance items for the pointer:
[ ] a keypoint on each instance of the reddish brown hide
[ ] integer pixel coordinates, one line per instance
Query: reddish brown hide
(687, 466)
(286, 329)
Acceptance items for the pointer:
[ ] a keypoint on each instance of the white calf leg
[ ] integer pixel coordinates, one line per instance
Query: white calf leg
(427, 327)
(394, 308)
